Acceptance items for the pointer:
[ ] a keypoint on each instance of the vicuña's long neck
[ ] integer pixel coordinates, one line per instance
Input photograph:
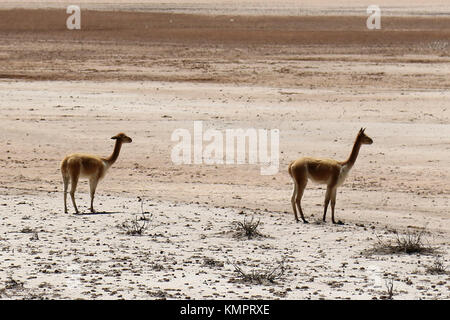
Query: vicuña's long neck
(113, 157)
(352, 158)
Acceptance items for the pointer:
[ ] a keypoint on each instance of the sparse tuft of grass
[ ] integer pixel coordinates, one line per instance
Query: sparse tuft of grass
(211, 262)
(262, 277)
(389, 290)
(247, 229)
(134, 227)
(409, 243)
(138, 225)
(27, 230)
(437, 268)
(11, 284)
(143, 217)
(34, 237)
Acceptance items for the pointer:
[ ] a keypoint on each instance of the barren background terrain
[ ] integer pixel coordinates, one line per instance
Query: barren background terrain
(146, 71)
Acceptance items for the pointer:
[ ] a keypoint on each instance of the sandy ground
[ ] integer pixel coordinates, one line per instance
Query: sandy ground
(317, 80)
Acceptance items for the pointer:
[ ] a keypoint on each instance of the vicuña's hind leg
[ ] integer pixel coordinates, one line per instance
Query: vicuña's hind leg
(66, 186)
(326, 202)
(300, 178)
(293, 201)
(74, 175)
(300, 191)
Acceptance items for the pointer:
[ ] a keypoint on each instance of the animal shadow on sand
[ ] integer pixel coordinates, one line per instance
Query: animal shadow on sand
(96, 213)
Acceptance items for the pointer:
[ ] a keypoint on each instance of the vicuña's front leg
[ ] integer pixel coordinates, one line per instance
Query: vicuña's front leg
(333, 203)
(93, 186)
(326, 202)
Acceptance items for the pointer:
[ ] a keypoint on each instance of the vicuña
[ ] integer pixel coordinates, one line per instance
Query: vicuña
(324, 171)
(89, 166)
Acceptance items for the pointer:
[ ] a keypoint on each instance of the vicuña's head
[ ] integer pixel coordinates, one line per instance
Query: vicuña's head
(363, 138)
(122, 137)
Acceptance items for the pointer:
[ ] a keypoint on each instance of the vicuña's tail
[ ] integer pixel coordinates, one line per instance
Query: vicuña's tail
(290, 168)
(64, 168)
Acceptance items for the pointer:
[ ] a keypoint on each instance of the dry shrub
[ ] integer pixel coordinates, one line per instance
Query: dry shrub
(409, 243)
(247, 229)
(264, 277)
(437, 267)
(138, 225)
(134, 227)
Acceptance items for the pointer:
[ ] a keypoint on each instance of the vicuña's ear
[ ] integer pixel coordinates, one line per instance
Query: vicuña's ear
(115, 137)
